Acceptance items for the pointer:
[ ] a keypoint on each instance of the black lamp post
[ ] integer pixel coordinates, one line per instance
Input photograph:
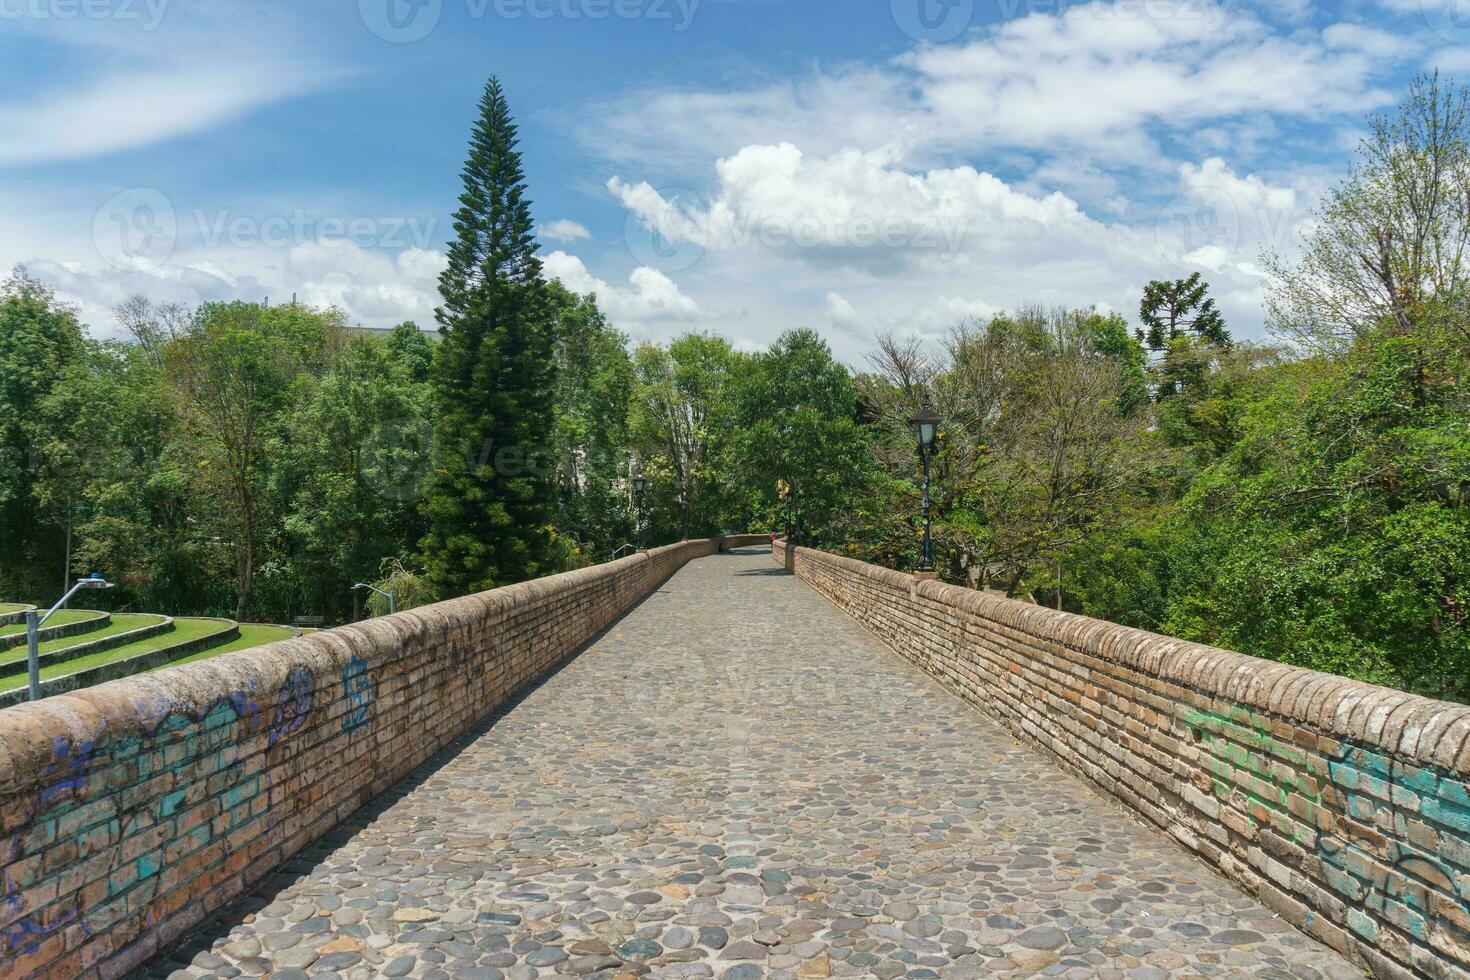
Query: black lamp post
(926, 428)
(639, 483)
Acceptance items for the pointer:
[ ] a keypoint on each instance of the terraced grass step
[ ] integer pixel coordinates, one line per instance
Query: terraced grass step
(66, 622)
(125, 628)
(190, 638)
(13, 612)
(251, 635)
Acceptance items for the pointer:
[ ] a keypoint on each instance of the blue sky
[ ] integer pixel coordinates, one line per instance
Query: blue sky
(738, 166)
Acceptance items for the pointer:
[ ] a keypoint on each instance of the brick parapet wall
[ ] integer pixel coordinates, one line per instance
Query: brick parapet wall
(130, 810)
(1345, 807)
(744, 541)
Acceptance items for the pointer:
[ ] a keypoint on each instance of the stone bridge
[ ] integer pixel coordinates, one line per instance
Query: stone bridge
(742, 773)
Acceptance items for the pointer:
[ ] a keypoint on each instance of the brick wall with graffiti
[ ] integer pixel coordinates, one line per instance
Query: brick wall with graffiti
(130, 810)
(1344, 807)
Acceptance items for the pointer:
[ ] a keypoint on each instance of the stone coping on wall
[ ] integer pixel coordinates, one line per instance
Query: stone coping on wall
(1344, 806)
(1422, 729)
(729, 541)
(131, 809)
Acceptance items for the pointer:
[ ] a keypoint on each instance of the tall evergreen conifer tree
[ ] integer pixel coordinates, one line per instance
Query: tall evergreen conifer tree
(490, 503)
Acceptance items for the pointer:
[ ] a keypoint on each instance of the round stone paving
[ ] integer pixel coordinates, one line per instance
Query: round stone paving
(737, 781)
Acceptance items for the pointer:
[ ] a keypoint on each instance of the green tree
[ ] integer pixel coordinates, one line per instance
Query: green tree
(234, 372)
(680, 428)
(39, 339)
(1108, 335)
(1040, 451)
(490, 505)
(112, 465)
(797, 432)
(1335, 534)
(413, 350)
(1391, 237)
(349, 467)
(1173, 309)
(594, 387)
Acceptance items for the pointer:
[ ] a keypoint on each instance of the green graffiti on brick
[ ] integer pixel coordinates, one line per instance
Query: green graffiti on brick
(1245, 757)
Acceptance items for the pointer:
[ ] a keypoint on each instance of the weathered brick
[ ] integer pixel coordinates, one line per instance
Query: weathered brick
(1345, 806)
(155, 799)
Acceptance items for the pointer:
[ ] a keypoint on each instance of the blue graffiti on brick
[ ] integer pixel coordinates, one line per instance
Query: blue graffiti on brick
(63, 783)
(79, 799)
(1402, 855)
(357, 694)
(294, 704)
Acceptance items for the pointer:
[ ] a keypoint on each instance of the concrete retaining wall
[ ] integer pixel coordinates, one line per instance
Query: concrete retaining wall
(89, 647)
(1345, 807)
(130, 810)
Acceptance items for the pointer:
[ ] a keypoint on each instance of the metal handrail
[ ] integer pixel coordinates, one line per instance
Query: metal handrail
(620, 549)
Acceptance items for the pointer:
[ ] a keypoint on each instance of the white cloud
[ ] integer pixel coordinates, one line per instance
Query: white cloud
(1369, 40)
(842, 312)
(128, 109)
(850, 209)
(1101, 76)
(1014, 248)
(374, 288)
(1222, 219)
(651, 301)
(135, 81)
(563, 230)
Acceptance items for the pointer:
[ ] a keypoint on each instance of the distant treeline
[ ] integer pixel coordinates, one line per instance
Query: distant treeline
(1308, 502)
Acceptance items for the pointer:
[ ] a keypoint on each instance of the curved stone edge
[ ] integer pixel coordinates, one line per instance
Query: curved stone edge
(131, 809)
(100, 620)
(89, 647)
(136, 664)
(1344, 806)
(1423, 729)
(729, 541)
(16, 615)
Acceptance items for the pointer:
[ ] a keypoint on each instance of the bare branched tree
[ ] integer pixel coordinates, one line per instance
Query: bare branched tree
(152, 325)
(1392, 235)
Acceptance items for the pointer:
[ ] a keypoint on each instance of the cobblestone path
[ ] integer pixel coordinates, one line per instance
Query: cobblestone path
(737, 781)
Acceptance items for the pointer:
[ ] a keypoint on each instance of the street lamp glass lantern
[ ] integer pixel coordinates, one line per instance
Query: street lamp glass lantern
(926, 427)
(639, 482)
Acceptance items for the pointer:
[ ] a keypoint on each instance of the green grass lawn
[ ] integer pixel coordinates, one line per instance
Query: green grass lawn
(121, 623)
(6, 607)
(13, 669)
(251, 635)
(62, 617)
(14, 672)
